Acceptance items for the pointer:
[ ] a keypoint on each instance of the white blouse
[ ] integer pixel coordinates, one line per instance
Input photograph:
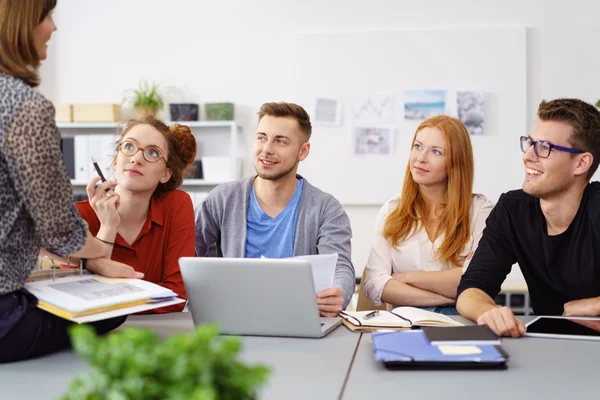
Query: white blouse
(418, 252)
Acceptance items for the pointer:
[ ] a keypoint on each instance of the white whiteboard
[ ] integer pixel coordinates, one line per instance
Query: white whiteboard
(346, 65)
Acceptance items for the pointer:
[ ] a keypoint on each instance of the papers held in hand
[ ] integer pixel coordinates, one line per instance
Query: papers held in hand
(91, 297)
(323, 268)
(398, 318)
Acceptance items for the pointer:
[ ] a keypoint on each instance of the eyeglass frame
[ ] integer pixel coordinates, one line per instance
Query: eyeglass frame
(551, 146)
(119, 148)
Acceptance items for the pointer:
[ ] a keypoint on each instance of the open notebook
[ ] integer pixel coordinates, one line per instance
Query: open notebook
(88, 297)
(398, 318)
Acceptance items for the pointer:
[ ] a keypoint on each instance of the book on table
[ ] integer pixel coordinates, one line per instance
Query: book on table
(85, 297)
(398, 318)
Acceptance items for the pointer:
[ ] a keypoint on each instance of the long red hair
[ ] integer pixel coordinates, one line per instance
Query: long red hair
(405, 220)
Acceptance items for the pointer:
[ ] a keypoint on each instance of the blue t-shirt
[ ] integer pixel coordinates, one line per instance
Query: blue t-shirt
(272, 237)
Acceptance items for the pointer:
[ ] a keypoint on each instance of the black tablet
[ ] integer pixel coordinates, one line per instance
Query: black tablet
(579, 328)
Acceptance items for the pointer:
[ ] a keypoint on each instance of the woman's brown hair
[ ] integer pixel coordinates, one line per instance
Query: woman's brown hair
(182, 149)
(18, 20)
(411, 212)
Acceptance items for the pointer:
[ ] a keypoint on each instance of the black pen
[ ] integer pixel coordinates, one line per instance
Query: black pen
(98, 170)
(371, 314)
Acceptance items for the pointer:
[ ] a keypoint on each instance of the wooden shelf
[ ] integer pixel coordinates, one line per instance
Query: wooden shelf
(114, 125)
(186, 182)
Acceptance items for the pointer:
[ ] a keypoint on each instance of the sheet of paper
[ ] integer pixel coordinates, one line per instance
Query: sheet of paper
(323, 268)
(459, 350)
(374, 108)
(111, 281)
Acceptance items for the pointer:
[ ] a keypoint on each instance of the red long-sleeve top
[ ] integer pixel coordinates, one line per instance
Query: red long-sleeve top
(168, 234)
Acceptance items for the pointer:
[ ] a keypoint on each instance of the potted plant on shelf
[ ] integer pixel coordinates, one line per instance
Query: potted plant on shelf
(147, 98)
(135, 363)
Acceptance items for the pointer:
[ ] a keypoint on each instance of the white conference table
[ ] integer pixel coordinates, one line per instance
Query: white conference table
(537, 369)
(315, 368)
(341, 365)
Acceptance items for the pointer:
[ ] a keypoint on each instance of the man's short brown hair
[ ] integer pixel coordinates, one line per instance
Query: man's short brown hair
(18, 20)
(583, 118)
(288, 110)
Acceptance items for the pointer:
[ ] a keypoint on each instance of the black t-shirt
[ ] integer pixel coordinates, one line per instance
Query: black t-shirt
(557, 269)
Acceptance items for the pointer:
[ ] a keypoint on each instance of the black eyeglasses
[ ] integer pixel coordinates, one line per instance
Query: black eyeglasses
(543, 148)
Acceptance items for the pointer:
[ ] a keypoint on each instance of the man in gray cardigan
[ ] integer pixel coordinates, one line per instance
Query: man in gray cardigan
(277, 213)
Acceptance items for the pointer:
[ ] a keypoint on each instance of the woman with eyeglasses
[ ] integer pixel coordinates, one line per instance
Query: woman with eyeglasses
(142, 217)
(425, 236)
(36, 199)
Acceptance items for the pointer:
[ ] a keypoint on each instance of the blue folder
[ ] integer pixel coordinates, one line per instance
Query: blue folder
(411, 349)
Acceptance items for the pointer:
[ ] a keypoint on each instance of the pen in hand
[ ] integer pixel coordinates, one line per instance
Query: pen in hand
(98, 170)
(102, 178)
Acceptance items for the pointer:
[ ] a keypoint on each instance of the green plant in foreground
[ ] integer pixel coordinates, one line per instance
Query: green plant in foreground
(135, 363)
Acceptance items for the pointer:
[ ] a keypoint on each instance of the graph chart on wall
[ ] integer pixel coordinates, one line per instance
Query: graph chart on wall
(378, 107)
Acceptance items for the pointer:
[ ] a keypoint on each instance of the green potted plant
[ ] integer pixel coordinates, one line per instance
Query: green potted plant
(147, 98)
(598, 104)
(134, 363)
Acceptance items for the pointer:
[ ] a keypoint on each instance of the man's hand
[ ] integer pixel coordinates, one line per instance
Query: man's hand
(112, 269)
(583, 308)
(502, 321)
(330, 301)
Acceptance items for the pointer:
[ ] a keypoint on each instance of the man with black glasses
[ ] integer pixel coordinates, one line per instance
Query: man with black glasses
(551, 227)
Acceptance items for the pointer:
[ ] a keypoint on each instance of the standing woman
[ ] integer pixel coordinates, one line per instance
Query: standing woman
(36, 199)
(425, 236)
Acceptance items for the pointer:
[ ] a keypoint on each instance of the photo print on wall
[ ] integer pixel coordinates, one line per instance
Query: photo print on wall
(423, 104)
(373, 140)
(327, 111)
(471, 111)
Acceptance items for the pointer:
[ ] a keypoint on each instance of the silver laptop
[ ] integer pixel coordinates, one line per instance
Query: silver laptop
(250, 296)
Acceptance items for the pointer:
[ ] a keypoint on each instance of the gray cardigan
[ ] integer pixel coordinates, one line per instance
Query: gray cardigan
(322, 227)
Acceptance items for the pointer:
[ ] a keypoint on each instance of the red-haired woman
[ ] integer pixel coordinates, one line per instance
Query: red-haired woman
(141, 216)
(425, 236)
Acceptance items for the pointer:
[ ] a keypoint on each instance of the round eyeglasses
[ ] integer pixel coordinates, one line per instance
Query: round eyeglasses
(151, 154)
(543, 148)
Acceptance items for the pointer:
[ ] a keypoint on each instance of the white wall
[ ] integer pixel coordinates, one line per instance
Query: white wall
(239, 51)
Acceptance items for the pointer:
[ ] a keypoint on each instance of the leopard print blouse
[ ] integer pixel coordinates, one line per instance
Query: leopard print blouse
(36, 197)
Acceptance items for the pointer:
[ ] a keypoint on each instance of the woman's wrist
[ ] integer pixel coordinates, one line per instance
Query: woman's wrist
(107, 235)
(105, 241)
